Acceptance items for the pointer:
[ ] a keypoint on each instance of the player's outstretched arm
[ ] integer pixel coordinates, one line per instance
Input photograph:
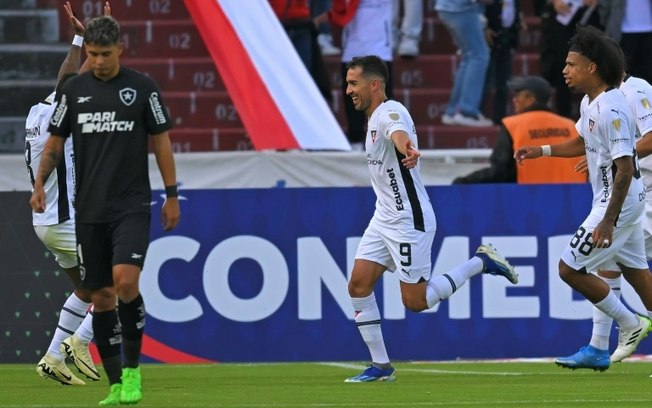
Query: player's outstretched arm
(527, 152)
(170, 213)
(571, 148)
(404, 145)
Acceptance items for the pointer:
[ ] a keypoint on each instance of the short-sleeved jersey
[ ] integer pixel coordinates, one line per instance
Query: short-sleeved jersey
(110, 122)
(639, 97)
(608, 129)
(401, 198)
(59, 187)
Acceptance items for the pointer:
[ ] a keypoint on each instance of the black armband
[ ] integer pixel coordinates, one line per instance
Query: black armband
(171, 191)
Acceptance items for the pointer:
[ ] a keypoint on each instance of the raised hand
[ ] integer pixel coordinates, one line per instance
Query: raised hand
(74, 22)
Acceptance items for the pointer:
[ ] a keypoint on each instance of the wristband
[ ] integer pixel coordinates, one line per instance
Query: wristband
(78, 40)
(171, 191)
(546, 150)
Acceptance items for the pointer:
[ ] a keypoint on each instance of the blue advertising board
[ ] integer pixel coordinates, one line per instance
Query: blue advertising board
(261, 275)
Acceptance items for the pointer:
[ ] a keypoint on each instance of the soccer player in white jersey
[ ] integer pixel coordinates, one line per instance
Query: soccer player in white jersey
(595, 355)
(612, 234)
(400, 234)
(56, 229)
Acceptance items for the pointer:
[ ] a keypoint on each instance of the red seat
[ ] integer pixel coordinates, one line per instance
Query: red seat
(179, 74)
(162, 41)
(121, 10)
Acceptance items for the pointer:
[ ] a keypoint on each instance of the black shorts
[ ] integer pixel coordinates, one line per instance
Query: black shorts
(100, 246)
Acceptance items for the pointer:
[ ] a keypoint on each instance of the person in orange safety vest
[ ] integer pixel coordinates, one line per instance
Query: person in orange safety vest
(532, 124)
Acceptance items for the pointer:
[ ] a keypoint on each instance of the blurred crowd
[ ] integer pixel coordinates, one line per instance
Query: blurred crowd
(486, 34)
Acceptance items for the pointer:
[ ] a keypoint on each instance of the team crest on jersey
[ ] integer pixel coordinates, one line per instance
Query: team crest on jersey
(645, 103)
(616, 124)
(373, 136)
(591, 123)
(127, 96)
(394, 116)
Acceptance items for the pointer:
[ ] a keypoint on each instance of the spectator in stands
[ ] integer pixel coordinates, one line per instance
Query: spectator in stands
(296, 18)
(463, 19)
(533, 124)
(559, 19)
(504, 21)
(407, 26)
(365, 31)
(629, 22)
(325, 36)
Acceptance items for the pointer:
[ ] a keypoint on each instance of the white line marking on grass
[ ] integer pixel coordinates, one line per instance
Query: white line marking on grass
(427, 370)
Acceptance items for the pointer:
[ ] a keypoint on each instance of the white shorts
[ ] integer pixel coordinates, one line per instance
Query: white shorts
(410, 250)
(627, 248)
(60, 239)
(647, 226)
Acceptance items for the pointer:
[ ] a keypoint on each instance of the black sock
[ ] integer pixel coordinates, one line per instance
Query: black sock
(132, 318)
(106, 328)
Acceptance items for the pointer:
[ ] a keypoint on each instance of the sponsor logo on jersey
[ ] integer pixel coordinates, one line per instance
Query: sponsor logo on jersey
(591, 123)
(31, 133)
(93, 122)
(60, 112)
(83, 99)
(397, 192)
(645, 103)
(372, 161)
(127, 96)
(157, 108)
(373, 136)
(605, 184)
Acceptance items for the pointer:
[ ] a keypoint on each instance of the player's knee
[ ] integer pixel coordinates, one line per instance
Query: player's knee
(565, 272)
(83, 294)
(414, 305)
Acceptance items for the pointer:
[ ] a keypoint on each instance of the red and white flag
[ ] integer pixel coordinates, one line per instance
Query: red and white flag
(273, 92)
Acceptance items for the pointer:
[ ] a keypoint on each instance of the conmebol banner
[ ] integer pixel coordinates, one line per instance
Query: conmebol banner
(275, 96)
(261, 275)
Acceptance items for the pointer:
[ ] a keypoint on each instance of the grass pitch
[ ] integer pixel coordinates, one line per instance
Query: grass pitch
(320, 385)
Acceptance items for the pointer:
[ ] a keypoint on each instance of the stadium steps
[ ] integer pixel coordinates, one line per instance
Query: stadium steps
(161, 40)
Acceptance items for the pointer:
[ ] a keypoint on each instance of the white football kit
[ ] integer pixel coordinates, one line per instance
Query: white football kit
(402, 229)
(639, 97)
(608, 130)
(55, 227)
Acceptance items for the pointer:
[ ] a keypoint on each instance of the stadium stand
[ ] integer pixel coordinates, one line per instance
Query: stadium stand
(162, 41)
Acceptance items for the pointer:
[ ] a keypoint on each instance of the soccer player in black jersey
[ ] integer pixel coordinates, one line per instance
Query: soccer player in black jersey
(110, 111)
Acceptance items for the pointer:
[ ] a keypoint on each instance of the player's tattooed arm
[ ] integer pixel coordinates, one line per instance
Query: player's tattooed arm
(51, 156)
(49, 162)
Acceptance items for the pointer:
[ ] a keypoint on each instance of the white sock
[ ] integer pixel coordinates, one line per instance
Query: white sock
(85, 330)
(71, 315)
(441, 287)
(614, 308)
(367, 318)
(602, 322)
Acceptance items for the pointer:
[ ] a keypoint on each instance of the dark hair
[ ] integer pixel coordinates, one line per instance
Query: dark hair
(595, 45)
(371, 65)
(62, 81)
(104, 31)
(614, 44)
